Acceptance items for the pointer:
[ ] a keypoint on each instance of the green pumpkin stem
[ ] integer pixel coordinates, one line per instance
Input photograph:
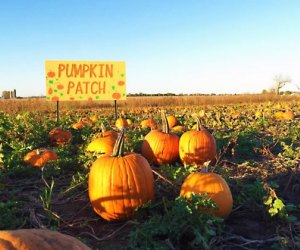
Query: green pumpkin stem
(118, 150)
(165, 124)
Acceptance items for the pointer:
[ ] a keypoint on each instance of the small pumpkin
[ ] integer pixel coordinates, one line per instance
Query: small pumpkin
(197, 146)
(172, 121)
(119, 183)
(214, 186)
(78, 125)
(86, 121)
(288, 115)
(235, 114)
(39, 157)
(94, 118)
(161, 147)
(178, 128)
(38, 239)
(129, 122)
(58, 136)
(279, 115)
(121, 123)
(149, 123)
(105, 143)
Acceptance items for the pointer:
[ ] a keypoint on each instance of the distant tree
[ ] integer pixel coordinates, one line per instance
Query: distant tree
(280, 81)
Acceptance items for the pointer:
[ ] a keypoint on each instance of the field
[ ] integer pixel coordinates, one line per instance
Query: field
(258, 154)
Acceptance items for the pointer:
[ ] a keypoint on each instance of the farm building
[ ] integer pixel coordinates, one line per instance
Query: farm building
(7, 94)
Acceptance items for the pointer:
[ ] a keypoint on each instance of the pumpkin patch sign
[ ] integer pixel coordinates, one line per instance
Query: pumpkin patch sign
(85, 80)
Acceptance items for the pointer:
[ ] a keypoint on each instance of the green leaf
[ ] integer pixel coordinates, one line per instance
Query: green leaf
(292, 218)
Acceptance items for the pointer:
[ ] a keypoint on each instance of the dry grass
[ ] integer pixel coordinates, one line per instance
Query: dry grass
(40, 104)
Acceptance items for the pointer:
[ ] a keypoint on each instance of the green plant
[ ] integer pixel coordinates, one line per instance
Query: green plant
(290, 151)
(11, 216)
(177, 224)
(47, 196)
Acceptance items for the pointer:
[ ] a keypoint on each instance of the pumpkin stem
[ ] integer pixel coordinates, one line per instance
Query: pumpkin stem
(165, 124)
(205, 167)
(103, 129)
(118, 150)
(199, 127)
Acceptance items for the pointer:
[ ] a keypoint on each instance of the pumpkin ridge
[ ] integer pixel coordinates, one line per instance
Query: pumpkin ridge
(104, 191)
(125, 175)
(164, 147)
(137, 188)
(127, 185)
(112, 184)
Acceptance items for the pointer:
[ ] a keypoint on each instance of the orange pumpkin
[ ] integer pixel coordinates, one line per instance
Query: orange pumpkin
(38, 239)
(86, 121)
(161, 147)
(94, 118)
(121, 123)
(118, 184)
(129, 122)
(178, 128)
(172, 121)
(149, 123)
(58, 136)
(78, 125)
(39, 157)
(288, 115)
(197, 146)
(103, 144)
(279, 115)
(235, 114)
(216, 188)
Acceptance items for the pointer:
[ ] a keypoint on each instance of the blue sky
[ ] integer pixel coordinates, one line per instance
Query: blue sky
(175, 46)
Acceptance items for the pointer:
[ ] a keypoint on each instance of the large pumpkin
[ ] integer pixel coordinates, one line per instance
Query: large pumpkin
(38, 239)
(216, 188)
(197, 146)
(161, 147)
(58, 136)
(118, 184)
(39, 157)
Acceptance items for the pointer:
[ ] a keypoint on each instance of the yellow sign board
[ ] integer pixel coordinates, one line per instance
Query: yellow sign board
(85, 80)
